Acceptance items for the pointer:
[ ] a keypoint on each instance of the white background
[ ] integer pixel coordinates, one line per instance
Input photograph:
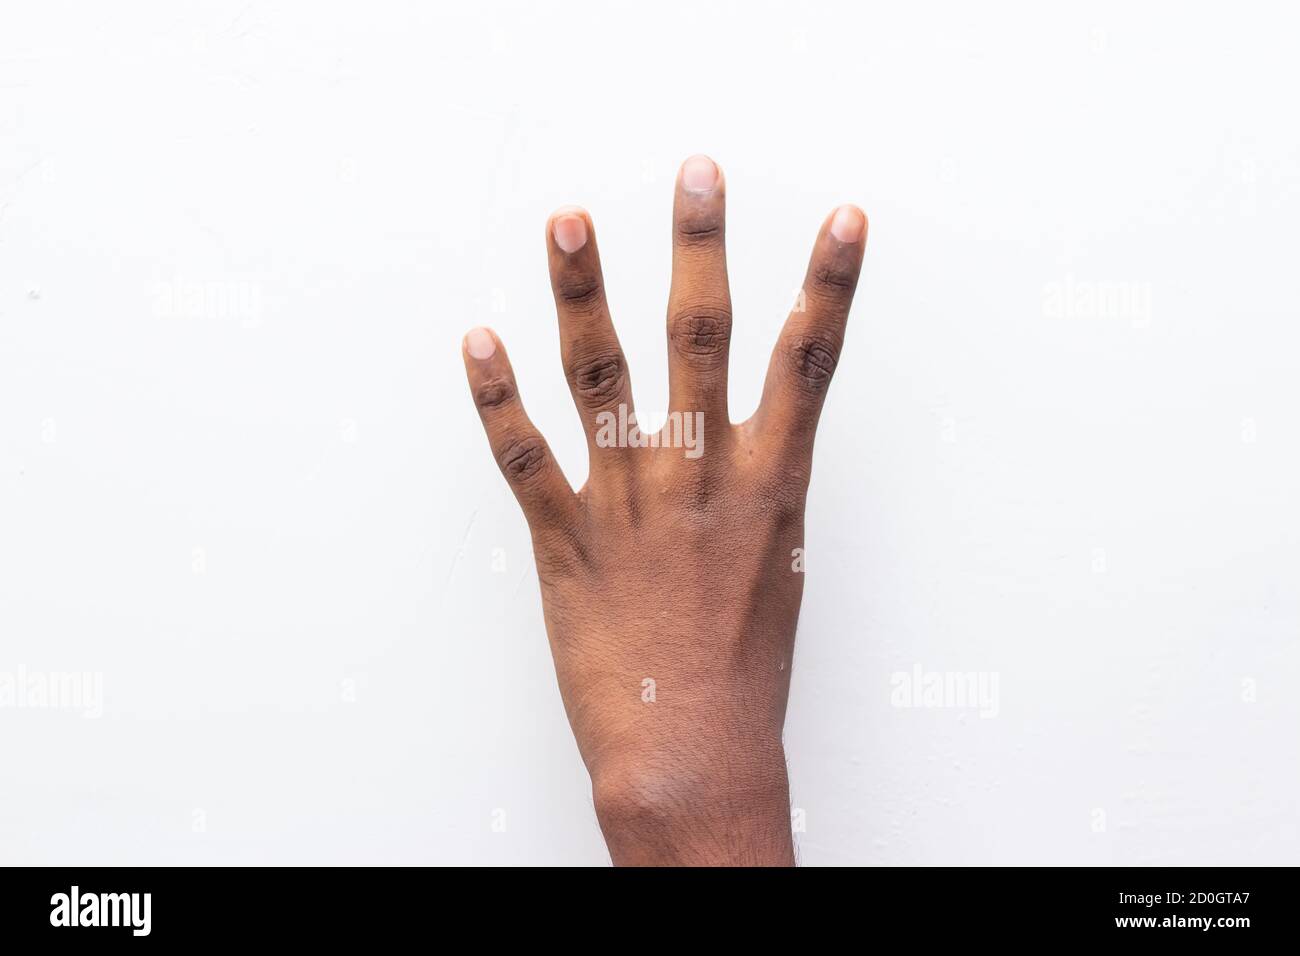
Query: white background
(242, 479)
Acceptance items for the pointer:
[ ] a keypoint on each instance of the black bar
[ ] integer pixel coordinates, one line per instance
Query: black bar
(222, 906)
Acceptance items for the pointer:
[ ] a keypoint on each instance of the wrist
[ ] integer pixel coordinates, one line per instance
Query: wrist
(657, 811)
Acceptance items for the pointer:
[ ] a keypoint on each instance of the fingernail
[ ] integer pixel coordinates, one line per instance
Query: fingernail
(480, 344)
(848, 224)
(699, 174)
(570, 231)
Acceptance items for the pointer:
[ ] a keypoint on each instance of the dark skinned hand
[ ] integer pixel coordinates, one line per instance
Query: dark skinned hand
(671, 582)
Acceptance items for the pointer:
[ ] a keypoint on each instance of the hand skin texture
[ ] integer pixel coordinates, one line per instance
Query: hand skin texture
(668, 582)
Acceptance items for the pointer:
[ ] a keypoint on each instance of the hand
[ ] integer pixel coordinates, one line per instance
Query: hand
(670, 582)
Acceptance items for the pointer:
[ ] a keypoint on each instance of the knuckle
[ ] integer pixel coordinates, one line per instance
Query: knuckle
(579, 291)
(834, 278)
(598, 380)
(699, 229)
(812, 360)
(559, 554)
(785, 490)
(523, 459)
(494, 393)
(696, 496)
(701, 333)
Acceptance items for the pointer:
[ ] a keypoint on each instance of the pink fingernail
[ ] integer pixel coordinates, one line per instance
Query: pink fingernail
(480, 344)
(570, 232)
(699, 174)
(848, 224)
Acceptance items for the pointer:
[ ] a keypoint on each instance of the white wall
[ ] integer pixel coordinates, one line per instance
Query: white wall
(242, 480)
